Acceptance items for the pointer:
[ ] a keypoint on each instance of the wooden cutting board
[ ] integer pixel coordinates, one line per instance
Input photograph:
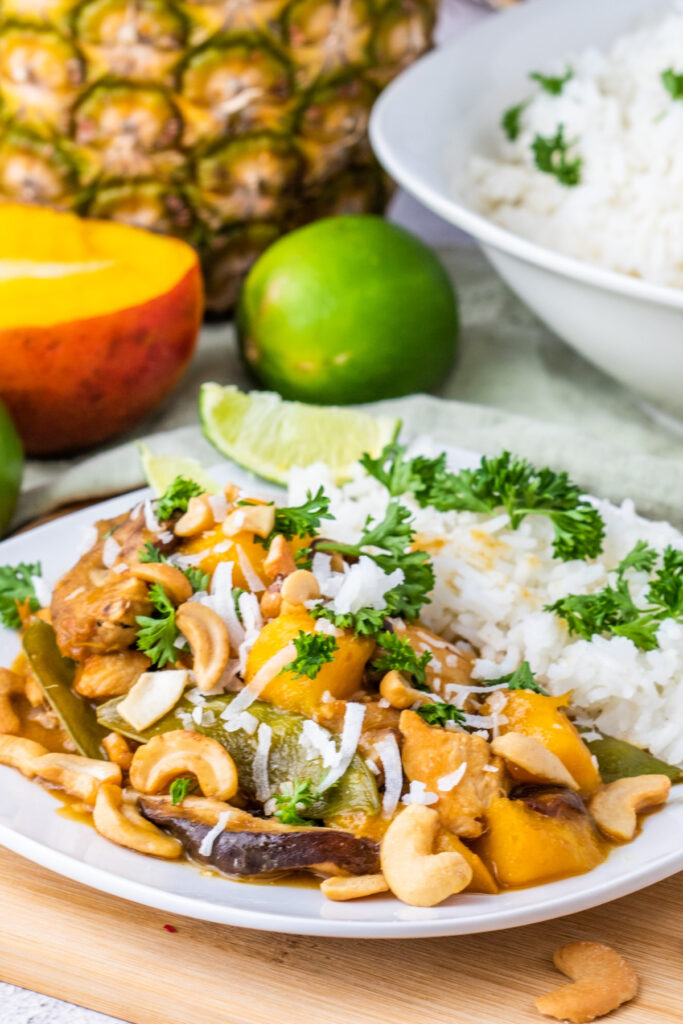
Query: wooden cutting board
(63, 939)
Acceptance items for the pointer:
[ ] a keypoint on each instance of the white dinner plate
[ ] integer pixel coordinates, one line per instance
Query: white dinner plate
(31, 826)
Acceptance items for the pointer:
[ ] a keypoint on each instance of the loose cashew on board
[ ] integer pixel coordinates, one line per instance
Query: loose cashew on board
(601, 981)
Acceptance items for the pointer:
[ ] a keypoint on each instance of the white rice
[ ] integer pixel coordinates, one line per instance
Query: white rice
(626, 213)
(491, 585)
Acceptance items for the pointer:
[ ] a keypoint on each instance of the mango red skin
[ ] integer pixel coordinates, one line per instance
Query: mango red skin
(72, 385)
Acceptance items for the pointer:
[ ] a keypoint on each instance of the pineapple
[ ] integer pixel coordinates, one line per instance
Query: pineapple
(223, 122)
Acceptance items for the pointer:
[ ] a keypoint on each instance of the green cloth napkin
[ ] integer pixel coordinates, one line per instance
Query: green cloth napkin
(515, 386)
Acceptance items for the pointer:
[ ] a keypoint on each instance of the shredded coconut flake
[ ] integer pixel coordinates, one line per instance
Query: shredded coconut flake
(111, 549)
(390, 756)
(268, 671)
(251, 576)
(353, 723)
(219, 507)
(260, 762)
(448, 782)
(419, 794)
(206, 845)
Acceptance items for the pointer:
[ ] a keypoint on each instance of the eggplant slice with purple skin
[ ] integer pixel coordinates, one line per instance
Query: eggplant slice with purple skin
(257, 846)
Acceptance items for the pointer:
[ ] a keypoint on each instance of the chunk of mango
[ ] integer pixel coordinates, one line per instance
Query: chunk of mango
(540, 717)
(523, 847)
(340, 677)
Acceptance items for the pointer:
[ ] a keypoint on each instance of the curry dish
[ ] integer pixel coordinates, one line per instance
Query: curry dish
(206, 684)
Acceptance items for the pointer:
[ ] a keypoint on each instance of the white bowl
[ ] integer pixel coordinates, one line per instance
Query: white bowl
(427, 125)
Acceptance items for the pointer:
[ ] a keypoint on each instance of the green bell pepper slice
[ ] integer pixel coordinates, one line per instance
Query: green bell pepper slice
(55, 675)
(288, 760)
(618, 759)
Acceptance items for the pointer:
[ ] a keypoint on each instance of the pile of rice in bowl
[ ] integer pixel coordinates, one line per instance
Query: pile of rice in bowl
(492, 584)
(590, 160)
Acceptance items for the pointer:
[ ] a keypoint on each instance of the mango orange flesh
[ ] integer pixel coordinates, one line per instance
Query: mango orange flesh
(55, 267)
(98, 321)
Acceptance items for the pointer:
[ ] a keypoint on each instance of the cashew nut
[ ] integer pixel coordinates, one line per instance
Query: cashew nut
(270, 604)
(353, 887)
(118, 750)
(110, 675)
(79, 776)
(176, 753)
(300, 586)
(413, 872)
(279, 561)
(258, 519)
(616, 806)
(17, 752)
(11, 684)
(199, 517)
(531, 756)
(397, 690)
(208, 638)
(601, 981)
(174, 582)
(122, 823)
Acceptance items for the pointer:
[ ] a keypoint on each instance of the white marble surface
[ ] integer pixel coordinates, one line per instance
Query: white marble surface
(19, 1006)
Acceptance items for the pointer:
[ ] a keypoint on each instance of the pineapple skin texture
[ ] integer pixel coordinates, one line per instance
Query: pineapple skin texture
(222, 122)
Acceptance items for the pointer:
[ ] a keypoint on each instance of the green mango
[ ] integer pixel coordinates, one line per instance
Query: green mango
(618, 759)
(55, 675)
(288, 760)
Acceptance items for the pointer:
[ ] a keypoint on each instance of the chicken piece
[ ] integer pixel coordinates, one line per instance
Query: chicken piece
(110, 675)
(94, 609)
(330, 715)
(430, 753)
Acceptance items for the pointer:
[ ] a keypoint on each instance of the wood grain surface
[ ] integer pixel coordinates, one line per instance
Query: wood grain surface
(65, 940)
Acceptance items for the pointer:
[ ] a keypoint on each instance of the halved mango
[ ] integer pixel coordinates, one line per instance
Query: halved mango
(340, 677)
(98, 320)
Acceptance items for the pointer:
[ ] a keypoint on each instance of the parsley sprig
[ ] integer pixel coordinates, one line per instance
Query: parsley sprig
(393, 536)
(511, 121)
(16, 587)
(299, 520)
(612, 610)
(180, 788)
(521, 679)
(158, 633)
(506, 482)
(397, 653)
(313, 650)
(673, 83)
(199, 580)
(288, 805)
(553, 84)
(551, 155)
(177, 496)
(439, 714)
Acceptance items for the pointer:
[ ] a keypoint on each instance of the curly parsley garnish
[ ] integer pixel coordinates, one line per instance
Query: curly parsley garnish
(551, 83)
(439, 714)
(612, 610)
(521, 679)
(511, 121)
(399, 654)
(298, 520)
(180, 788)
(288, 805)
(551, 157)
(199, 580)
(393, 535)
(236, 594)
(177, 496)
(158, 633)
(16, 588)
(506, 482)
(313, 650)
(673, 83)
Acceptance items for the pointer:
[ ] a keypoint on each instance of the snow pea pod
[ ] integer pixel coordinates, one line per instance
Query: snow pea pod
(618, 759)
(54, 675)
(288, 758)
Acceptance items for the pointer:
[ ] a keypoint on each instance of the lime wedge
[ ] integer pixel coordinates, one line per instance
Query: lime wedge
(161, 470)
(269, 436)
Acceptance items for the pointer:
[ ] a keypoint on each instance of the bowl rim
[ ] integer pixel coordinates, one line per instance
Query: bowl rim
(454, 210)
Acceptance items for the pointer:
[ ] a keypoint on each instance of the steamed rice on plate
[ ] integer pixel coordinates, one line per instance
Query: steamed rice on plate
(478, 663)
(590, 160)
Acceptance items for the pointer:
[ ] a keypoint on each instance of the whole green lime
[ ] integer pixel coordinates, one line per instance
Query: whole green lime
(349, 309)
(11, 467)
